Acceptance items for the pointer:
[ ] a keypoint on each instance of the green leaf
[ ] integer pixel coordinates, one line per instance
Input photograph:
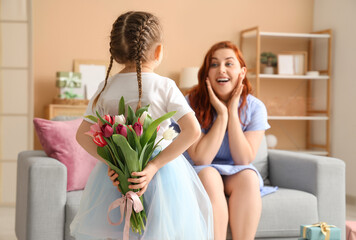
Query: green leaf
(117, 160)
(153, 138)
(130, 116)
(104, 153)
(102, 119)
(122, 177)
(130, 137)
(153, 126)
(92, 118)
(114, 127)
(141, 110)
(122, 106)
(146, 153)
(137, 142)
(130, 156)
(147, 122)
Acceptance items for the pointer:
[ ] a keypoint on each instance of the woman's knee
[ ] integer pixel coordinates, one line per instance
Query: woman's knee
(246, 179)
(211, 180)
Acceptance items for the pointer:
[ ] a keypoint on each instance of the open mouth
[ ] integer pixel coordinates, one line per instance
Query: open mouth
(222, 80)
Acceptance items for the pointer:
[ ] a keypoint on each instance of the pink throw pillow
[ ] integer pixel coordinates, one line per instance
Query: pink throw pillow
(58, 141)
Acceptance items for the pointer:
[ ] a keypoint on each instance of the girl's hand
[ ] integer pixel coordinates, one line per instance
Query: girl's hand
(113, 177)
(233, 103)
(144, 179)
(218, 105)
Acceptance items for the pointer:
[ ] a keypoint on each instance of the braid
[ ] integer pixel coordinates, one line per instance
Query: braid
(139, 82)
(106, 82)
(132, 36)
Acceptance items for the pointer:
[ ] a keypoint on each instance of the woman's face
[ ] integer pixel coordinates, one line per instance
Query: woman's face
(224, 72)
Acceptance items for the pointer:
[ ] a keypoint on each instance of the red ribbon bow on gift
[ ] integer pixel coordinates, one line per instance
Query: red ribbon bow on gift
(126, 203)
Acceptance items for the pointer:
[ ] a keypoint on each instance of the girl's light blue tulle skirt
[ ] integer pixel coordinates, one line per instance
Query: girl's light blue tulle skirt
(176, 205)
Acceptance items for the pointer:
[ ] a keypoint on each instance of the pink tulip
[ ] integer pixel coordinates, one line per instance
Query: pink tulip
(94, 130)
(109, 119)
(138, 128)
(121, 129)
(99, 140)
(107, 130)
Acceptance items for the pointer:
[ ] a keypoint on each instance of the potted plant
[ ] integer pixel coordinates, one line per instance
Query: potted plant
(270, 59)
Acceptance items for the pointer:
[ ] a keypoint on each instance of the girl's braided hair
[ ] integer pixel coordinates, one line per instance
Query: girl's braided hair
(132, 36)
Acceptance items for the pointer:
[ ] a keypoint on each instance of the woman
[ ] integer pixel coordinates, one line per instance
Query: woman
(233, 124)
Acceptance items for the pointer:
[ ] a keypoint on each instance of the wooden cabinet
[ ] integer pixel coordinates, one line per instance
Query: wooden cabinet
(54, 110)
(298, 105)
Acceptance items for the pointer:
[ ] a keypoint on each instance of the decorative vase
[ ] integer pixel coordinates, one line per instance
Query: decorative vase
(268, 70)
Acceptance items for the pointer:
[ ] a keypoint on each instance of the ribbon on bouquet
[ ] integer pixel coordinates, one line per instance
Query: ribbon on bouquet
(325, 229)
(126, 203)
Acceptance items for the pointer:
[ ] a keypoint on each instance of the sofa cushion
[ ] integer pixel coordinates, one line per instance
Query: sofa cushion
(284, 211)
(72, 207)
(58, 139)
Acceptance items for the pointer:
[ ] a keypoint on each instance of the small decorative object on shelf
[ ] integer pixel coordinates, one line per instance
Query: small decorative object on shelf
(70, 85)
(272, 141)
(312, 73)
(270, 59)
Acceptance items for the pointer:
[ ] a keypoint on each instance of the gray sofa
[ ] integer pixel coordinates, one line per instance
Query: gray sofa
(311, 189)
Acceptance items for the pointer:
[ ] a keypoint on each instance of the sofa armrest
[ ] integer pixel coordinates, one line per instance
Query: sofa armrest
(41, 197)
(321, 176)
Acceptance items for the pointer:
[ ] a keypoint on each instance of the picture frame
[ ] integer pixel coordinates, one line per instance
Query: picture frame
(292, 63)
(93, 72)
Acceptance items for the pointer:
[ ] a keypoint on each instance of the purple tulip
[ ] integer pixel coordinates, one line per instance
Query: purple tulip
(138, 128)
(121, 129)
(107, 130)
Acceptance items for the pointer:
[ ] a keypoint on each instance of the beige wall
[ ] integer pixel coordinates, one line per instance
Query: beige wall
(66, 30)
(340, 16)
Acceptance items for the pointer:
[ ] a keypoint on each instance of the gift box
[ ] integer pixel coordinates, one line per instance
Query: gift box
(320, 231)
(70, 85)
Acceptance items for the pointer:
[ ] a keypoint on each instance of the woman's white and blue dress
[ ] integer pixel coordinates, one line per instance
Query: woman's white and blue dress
(175, 202)
(254, 118)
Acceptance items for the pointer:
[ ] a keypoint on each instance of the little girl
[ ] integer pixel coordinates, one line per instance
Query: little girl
(175, 201)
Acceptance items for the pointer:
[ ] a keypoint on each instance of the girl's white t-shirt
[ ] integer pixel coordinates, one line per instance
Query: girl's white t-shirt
(161, 93)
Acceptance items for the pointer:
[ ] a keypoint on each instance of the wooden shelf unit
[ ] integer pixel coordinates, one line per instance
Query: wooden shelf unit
(312, 115)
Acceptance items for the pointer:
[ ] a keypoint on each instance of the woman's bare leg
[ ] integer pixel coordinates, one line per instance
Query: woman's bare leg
(245, 204)
(214, 186)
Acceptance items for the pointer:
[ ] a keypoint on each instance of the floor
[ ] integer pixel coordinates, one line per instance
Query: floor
(7, 221)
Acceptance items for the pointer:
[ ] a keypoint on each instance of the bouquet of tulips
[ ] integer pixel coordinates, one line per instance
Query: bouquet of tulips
(127, 144)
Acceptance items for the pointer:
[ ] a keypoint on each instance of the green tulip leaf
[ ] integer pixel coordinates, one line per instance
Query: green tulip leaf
(153, 126)
(122, 106)
(130, 155)
(141, 110)
(130, 116)
(102, 119)
(92, 118)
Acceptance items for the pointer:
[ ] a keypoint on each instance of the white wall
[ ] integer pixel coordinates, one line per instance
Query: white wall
(340, 16)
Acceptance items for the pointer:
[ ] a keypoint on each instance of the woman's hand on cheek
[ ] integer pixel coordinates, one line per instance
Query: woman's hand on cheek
(235, 95)
(218, 105)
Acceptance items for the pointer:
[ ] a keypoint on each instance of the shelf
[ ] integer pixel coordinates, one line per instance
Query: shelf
(322, 77)
(277, 76)
(294, 35)
(315, 118)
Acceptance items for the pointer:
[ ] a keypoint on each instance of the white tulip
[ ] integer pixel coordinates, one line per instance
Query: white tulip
(169, 134)
(143, 117)
(120, 119)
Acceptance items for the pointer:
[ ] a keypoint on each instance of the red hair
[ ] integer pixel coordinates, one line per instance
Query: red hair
(199, 96)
